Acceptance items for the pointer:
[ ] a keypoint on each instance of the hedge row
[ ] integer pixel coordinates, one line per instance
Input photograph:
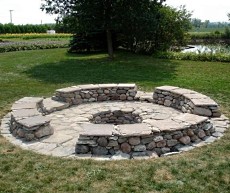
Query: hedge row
(35, 45)
(28, 36)
(214, 57)
(211, 35)
(28, 28)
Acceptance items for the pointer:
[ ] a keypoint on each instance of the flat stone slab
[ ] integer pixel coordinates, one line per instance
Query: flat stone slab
(97, 129)
(52, 105)
(195, 96)
(23, 113)
(57, 138)
(203, 102)
(108, 86)
(30, 100)
(69, 89)
(134, 130)
(168, 125)
(34, 121)
(166, 88)
(190, 118)
(24, 105)
(182, 91)
(89, 86)
(123, 85)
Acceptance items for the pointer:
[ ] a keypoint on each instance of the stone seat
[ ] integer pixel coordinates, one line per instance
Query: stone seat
(138, 139)
(27, 121)
(186, 100)
(50, 105)
(96, 92)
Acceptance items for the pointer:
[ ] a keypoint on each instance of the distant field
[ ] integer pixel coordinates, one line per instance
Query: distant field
(26, 36)
(221, 30)
(33, 41)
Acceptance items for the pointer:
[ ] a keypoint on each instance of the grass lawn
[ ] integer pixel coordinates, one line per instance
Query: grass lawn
(40, 72)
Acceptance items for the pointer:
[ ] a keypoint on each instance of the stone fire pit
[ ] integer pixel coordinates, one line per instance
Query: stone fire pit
(114, 121)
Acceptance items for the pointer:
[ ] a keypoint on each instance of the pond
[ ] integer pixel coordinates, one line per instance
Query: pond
(206, 49)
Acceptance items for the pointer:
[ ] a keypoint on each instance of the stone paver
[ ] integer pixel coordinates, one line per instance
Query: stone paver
(97, 129)
(34, 121)
(22, 113)
(52, 105)
(134, 130)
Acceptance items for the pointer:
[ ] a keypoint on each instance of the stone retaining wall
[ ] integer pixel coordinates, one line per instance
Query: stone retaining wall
(187, 101)
(91, 93)
(139, 139)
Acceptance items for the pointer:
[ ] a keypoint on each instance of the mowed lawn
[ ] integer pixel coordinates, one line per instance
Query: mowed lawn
(39, 73)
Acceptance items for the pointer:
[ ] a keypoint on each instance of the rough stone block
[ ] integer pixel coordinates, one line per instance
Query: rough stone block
(134, 140)
(125, 147)
(185, 140)
(202, 111)
(140, 148)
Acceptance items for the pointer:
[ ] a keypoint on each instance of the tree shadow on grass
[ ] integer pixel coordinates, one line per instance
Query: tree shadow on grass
(96, 68)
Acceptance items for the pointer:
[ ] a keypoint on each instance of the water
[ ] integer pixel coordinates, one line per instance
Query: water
(206, 49)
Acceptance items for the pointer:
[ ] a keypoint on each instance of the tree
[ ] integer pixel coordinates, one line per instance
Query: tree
(206, 23)
(133, 24)
(99, 15)
(196, 23)
(228, 16)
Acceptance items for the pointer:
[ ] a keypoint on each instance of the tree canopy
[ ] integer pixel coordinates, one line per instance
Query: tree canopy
(137, 25)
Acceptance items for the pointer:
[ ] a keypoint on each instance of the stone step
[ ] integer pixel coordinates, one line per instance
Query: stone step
(31, 123)
(50, 105)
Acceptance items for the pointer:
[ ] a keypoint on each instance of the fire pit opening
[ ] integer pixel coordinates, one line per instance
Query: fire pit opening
(116, 117)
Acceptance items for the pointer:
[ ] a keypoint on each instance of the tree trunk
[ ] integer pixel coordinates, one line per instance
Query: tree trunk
(109, 43)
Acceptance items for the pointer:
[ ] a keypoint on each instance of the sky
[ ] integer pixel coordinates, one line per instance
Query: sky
(212, 10)
(28, 11)
(24, 12)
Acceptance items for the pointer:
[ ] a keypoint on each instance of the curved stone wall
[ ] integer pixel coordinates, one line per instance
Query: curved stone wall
(91, 93)
(135, 130)
(160, 136)
(188, 101)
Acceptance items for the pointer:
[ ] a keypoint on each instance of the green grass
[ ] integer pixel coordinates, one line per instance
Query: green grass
(202, 29)
(39, 73)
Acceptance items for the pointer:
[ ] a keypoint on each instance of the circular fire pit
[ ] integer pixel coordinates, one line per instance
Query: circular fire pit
(114, 121)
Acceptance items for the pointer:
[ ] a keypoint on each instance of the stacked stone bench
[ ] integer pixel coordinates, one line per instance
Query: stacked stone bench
(188, 101)
(27, 121)
(76, 95)
(142, 139)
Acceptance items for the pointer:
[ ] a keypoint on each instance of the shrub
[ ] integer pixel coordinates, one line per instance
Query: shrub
(215, 57)
(35, 45)
(27, 36)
